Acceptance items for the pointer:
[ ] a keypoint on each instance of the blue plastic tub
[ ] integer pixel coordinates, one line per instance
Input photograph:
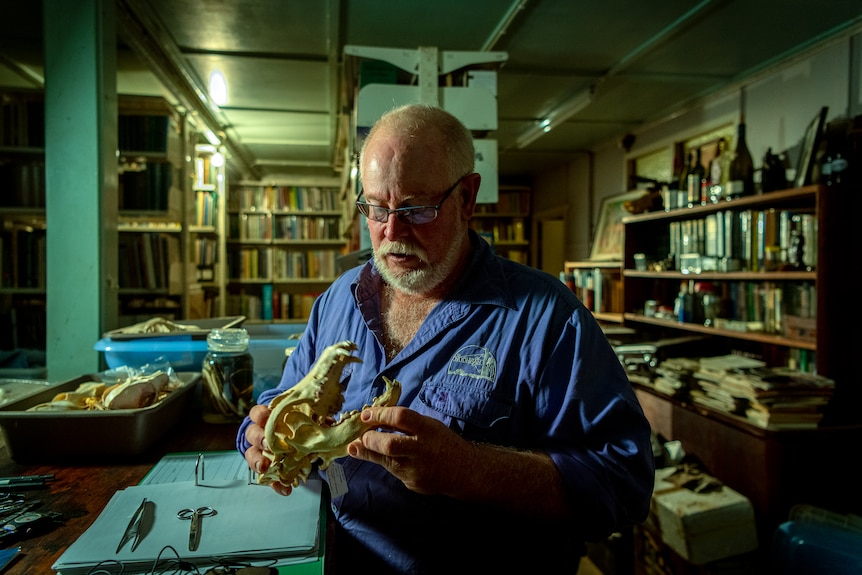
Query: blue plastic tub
(802, 547)
(268, 344)
(183, 352)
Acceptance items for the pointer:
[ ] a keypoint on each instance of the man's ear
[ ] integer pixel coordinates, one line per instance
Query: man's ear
(469, 190)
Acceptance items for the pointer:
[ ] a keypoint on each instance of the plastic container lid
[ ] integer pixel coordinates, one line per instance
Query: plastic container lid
(228, 340)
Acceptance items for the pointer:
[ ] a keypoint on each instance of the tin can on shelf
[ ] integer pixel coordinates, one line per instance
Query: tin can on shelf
(227, 376)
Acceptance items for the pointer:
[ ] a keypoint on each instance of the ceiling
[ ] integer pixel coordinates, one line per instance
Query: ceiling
(291, 86)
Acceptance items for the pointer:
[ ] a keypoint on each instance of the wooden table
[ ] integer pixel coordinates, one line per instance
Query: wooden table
(80, 491)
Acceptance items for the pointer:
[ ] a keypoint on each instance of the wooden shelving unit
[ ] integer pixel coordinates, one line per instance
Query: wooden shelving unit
(283, 243)
(598, 284)
(506, 224)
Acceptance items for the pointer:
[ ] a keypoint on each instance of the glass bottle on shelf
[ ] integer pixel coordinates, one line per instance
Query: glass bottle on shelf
(740, 177)
(694, 179)
(718, 168)
(833, 168)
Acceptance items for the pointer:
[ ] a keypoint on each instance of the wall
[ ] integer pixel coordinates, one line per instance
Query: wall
(778, 104)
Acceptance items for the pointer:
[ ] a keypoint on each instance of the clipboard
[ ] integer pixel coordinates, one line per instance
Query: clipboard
(241, 534)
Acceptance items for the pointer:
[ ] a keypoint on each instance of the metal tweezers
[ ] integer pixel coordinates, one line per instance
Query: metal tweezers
(138, 525)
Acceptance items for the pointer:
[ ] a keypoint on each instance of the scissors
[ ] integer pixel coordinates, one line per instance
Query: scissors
(138, 526)
(196, 516)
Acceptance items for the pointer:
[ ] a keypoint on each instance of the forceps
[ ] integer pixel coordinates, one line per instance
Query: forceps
(196, 516)
(138, 526)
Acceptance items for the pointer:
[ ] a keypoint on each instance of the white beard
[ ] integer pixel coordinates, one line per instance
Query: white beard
(425, 278)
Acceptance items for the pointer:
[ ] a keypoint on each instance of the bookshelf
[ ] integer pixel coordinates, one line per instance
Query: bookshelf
(151, 272)
(22, 220)
(505, 225)
(206, 234)
(283, 242)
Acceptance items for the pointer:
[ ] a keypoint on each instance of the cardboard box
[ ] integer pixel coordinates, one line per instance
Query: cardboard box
(703, 527)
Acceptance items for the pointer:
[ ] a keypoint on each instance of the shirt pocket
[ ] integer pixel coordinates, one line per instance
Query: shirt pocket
(477, 412)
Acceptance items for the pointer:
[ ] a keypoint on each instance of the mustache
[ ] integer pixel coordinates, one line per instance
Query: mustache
(401, 248)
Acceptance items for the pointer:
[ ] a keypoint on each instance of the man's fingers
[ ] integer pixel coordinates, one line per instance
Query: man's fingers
(394, 417)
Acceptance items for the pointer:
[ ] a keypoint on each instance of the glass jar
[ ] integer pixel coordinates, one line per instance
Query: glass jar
(228, 376)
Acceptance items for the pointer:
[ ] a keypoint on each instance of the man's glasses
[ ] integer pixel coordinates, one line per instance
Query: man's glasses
(409, 215)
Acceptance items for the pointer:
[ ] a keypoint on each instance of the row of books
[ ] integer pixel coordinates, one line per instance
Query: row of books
(759, 240)
(248, 226)
(22, 326)
(147, 189)
(22, 185)
(206, 174)
(599, 289)
(23, 258)
(284, 198)
(143, 133)
(205, 251)
(276, 305)
(501, 231)
(270, 264)
(22, 122)
(206, 207)
(509, 202)
(763, 306)
(145, 260)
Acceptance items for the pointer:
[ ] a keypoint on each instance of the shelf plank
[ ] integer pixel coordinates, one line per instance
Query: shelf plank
(745, 335)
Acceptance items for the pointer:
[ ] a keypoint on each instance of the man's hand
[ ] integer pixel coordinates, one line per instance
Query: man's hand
(255, 435)
(422, 452)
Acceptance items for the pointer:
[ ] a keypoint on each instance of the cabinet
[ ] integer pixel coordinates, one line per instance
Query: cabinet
(282, 248)
(22, 221)
(505, 225)
(206, 234)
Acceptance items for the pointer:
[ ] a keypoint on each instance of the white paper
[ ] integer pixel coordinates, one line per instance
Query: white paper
(215, 466)
(252, 522)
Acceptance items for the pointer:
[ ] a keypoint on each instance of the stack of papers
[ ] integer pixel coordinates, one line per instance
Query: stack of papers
(252, 524)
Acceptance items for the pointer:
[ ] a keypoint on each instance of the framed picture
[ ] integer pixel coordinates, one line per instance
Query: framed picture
(608, 241)
(808, 151)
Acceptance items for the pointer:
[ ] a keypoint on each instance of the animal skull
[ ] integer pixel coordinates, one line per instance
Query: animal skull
(302, 428)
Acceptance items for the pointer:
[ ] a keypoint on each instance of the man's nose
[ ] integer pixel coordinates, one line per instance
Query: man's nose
(394, 227)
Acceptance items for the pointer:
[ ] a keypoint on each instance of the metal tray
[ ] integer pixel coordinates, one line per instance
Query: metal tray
(40, 436)
(205, 324)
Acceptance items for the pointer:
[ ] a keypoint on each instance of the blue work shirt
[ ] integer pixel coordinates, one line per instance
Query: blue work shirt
(512, 358)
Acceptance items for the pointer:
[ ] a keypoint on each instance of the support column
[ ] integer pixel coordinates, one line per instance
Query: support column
(81, 181)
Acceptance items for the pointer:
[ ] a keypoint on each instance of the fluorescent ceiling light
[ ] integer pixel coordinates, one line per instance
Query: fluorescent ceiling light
(559, 115)
(211, 137)
(218, 88)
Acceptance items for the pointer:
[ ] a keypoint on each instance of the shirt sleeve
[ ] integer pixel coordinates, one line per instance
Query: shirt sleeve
(600, 438)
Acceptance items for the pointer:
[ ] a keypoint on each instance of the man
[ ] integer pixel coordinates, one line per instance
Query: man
(517, 435)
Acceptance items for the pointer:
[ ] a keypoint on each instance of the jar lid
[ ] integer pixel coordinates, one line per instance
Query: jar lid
(228, 339)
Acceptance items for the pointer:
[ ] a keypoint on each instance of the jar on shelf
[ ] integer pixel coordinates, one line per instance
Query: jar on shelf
(707, 304)
(228, 376)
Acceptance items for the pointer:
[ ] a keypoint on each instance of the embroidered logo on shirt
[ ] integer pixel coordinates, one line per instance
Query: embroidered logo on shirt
(474, 361)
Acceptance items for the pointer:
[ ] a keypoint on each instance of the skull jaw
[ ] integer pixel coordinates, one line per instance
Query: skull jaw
(300, 431)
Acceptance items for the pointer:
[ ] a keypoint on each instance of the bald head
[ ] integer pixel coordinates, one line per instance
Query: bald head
(431, 130)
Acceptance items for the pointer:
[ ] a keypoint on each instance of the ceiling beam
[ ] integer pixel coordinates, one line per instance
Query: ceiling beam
(145, 34)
